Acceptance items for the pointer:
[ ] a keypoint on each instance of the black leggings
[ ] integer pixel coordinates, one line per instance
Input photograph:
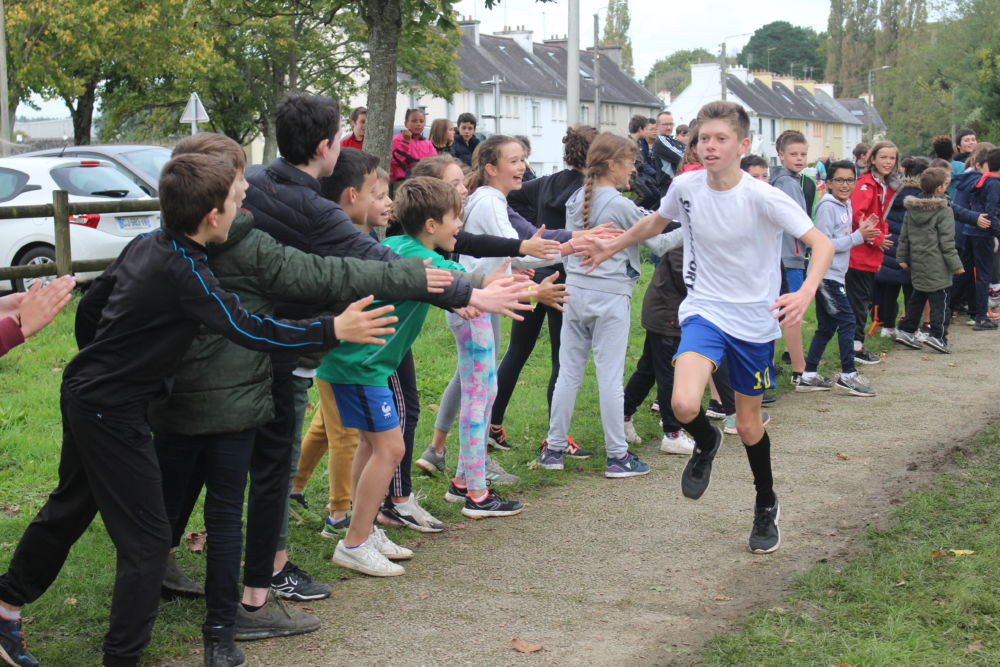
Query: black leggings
(523, 336)
(403, 384)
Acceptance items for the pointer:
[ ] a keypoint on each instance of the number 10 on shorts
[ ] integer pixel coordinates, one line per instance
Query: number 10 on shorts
(763, 380)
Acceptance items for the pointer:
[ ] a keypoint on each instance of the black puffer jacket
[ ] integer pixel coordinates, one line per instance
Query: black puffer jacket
(287, 204)
(664, 294)
(891, 272)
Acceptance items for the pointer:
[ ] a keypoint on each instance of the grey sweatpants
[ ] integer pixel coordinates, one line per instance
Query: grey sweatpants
(597, 321)
(451, 399)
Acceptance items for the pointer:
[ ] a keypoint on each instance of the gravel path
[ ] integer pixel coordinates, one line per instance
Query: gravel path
(628, 572)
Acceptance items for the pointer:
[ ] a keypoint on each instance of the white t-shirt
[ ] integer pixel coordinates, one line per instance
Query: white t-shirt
(732, 251)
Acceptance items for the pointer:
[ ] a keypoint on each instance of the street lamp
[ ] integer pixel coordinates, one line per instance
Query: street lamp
(769, 49)
(871, 97)
(722, 61)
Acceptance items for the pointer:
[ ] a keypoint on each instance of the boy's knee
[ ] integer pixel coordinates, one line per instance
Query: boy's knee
(685, 409)
(750, 429)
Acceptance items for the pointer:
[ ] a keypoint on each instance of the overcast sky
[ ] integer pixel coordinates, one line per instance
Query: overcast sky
(659, 27)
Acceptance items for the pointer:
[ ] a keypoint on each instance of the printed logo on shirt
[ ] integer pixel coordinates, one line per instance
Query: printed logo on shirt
(386, 411)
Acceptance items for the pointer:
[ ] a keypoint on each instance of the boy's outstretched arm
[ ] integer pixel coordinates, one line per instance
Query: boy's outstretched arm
(599, 250)
(792, 306)
(502, 296)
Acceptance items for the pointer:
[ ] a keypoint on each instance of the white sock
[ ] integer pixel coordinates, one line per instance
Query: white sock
(809, 375)
(10, 614)
(858, 346)
(849, 376)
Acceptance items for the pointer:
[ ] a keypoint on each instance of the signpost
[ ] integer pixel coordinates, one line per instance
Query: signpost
(194, 113)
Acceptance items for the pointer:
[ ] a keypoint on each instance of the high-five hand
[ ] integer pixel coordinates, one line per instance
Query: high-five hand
(357, 325)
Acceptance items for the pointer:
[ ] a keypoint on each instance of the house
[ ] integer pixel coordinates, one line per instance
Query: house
(775, 104)
(532, 91)
(867, 115)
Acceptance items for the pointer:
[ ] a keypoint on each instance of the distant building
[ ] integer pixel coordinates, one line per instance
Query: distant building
(43, 129)
(859, 108)
(775, 104)
(532, 92)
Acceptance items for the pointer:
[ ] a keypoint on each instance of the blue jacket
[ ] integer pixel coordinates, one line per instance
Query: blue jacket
(891, 272)
(983, 196)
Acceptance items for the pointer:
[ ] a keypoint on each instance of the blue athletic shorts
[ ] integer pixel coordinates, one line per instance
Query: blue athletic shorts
(795, 279)
(751, 365)
(366, 407)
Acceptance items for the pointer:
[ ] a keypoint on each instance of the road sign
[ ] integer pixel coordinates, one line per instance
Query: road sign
(194, 113)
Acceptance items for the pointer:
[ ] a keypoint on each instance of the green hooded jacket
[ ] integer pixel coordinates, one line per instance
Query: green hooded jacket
(221, 387)
(927, 243)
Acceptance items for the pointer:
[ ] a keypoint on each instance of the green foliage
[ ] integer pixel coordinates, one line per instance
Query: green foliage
(616, 32)
(793, 50)
(908, 600)
(673, 73)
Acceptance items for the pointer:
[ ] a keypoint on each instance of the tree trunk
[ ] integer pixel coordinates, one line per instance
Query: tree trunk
(270, 140)
(83, 114)
(384, 21)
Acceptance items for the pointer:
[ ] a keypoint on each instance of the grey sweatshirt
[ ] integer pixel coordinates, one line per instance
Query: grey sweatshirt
(833, 218)
(792, 250)
(619, 273)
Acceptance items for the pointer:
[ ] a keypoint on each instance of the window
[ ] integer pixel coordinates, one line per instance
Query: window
(584, 114)
(558, 109)
(11, 183)
(818, 130)
(536, 113)
(479, 105)
(774, 130)
(99, 180)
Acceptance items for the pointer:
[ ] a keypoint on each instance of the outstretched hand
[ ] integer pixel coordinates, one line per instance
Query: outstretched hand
(357, 325)
(551, 293)
(541, 248)
(41, 303)
(592, 251)
(789, 308)
(502, 296)
(437, 279)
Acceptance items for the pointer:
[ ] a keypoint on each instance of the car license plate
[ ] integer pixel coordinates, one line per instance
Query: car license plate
(135, 222)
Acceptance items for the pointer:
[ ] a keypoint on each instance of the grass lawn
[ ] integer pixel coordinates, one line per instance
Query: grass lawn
(910, 599)
(65, 626)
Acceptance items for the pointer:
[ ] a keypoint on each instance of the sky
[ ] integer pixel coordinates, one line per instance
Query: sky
(659, 27)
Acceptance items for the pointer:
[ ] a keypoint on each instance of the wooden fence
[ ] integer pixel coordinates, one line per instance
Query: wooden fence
(60, 209)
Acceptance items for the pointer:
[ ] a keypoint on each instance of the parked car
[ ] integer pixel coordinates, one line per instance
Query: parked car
(140, 163)
(92, 236)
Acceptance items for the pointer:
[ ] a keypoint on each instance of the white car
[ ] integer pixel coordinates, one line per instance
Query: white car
(92, 236)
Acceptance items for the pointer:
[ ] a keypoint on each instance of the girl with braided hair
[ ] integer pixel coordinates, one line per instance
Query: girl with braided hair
(598, 315)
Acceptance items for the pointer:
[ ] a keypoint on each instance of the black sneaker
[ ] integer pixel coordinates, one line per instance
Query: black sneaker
(13, 650)
(765, 536)
(300, 498)
(455, 494)
(491, 505)
(715, 410)
(176, 582)
(863, 356)
(294, 584)
(498, 438)
(275, 619)
(574, 451)
(698, 472)
(984, 325)
(768, 398)
(220, 649)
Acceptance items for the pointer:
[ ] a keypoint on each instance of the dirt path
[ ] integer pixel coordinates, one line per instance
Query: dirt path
(629, 572)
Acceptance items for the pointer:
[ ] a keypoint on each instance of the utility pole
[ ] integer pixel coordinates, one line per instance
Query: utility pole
(597, 77)
(722, 71)
(573, 65)
(4, 93)
(871, 99)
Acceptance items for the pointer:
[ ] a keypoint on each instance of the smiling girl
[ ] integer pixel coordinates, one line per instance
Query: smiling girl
(410, 145)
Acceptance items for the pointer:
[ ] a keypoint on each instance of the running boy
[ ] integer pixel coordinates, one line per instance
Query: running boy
(731, 268)
(833, 311)
(133, 327)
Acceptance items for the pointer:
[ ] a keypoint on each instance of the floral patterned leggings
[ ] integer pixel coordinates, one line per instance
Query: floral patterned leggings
(478, 377)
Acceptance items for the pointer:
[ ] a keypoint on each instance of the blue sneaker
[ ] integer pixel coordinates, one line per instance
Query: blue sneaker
(13, 650)
(335, 529)
(548, 459)
(626, 466)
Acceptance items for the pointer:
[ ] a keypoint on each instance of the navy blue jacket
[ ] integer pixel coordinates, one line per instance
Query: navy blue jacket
(983, 196)
(891, 272)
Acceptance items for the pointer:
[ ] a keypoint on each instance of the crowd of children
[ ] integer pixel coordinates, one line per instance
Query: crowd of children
(181, 385)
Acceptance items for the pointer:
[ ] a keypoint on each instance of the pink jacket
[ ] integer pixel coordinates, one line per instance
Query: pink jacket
(10, 335)
(406, 154)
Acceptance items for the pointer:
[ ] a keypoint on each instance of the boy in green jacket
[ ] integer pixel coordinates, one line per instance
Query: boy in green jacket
(927, 247)
(359, 375)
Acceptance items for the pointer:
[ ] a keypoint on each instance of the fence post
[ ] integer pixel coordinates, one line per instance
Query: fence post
(60, 213)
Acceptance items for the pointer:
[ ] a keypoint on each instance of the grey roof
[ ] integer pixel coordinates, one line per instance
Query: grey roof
(759, 99)
(819, 111)
(837, 109)
(862, 111)
(542, 72)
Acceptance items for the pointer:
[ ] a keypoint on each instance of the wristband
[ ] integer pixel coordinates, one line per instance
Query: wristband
(571, 245)
(531, 299)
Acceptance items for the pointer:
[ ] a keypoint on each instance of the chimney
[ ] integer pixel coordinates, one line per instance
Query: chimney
(521, 36)
(610, 51)
(556, 40)
(763, 76)
(471, 25)
(786, 80)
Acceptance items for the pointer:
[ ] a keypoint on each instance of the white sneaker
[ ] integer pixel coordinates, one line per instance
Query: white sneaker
(631, 437)
(678, 442)
(887, 332)
(410, 514)
(387, 547)
(365, 558)
(920, 335)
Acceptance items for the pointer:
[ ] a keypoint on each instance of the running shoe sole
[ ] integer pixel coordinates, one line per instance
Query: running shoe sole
(357, 567)
(854, 392)
(630, 473)
(935, 346)
(483, 514)
(427, 467)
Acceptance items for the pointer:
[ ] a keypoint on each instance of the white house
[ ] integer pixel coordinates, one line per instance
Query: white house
(532, 91)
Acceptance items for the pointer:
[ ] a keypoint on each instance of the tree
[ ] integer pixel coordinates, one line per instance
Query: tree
(850, 51)
(616, 28)
(673, 73)
(792, 49)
